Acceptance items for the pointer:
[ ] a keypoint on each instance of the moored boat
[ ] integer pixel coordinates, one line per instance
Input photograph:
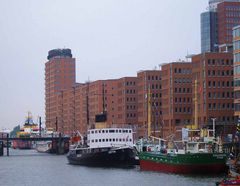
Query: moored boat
(22, 144)
(192, 157)
(104, 147)
(44, 146)
(198, 151)
(229, 182)
(197, 163)
(28, 130)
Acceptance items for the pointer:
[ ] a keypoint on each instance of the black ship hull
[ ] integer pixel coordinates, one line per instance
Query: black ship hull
(104, 157)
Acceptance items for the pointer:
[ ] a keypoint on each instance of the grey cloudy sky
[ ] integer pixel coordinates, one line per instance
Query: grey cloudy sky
(109, 39)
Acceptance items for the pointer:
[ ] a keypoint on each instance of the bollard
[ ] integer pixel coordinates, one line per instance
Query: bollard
(1, 148)
(59, 150)
(7, 144)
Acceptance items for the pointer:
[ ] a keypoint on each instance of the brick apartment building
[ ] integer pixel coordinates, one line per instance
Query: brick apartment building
(214, 75)
(149, 80)
(78, 105)
(176, 96)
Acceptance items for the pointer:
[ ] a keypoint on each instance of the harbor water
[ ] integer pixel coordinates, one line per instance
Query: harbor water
(30, 168)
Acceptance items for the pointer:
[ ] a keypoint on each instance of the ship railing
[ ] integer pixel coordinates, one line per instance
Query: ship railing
(121, 146)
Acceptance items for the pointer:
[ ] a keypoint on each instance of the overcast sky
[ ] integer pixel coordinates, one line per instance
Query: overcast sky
(109, 39)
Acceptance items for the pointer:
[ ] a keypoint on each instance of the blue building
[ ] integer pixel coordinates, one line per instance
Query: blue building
(209, 33)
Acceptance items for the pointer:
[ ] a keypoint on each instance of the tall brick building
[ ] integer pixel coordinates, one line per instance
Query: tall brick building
(59, 76)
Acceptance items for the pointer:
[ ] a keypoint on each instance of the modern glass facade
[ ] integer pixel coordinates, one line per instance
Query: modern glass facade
(209, 36)
(236, 55)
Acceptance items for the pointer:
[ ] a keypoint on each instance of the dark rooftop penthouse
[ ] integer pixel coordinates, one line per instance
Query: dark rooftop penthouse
(59, 53)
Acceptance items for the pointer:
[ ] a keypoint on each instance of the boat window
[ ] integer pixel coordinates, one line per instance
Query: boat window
(123, 139)
(110, 139)
(130, 139)
(117, 139)
(96, 131)
(96, 140)
(111, 131)
(100, 140)
(103, 131)
(126, 139)
(116, 131)
(92, 141)
(103, 140)
(120, 130)
(99, 131)
(92, 131)
(106, 140)
(129, 131)
(106, 131)
(113, 139)
(120, 139)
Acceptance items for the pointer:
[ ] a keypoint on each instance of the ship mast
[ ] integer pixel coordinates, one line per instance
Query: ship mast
(149, 111)
(195, 126)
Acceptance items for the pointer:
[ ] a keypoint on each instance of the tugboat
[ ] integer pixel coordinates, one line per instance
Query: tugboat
(104, 147)
(29, 129)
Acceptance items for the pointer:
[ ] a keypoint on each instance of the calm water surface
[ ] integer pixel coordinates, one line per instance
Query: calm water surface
(29, 168)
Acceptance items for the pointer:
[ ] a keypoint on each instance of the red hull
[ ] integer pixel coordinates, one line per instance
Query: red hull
(22, 144)
(229, 183)
(182, 169)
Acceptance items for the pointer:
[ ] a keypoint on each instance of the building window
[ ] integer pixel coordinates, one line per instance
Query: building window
(214, 84)
(209, 84)
(209, 73)
(210, 106)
